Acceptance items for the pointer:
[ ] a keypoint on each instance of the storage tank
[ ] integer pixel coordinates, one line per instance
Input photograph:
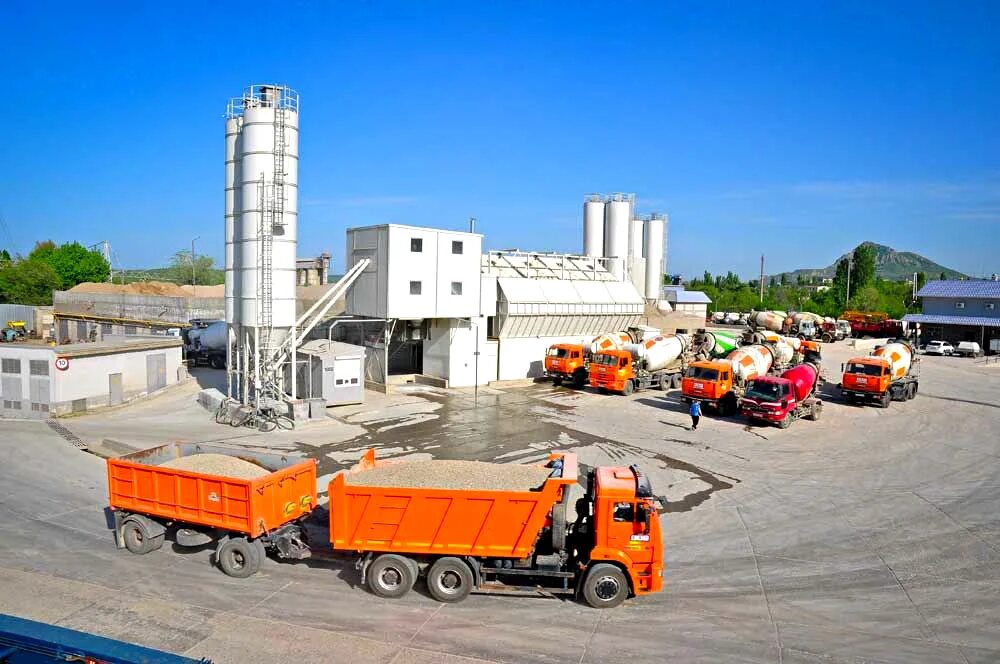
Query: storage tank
(212, 337)
(751, 361)
(803, 379)
(635, 245)
(612, 341)
(593, 225)
(653, 231)
(231, 206)
(660, 351)
(617, 213)
(269, 140)
(899, 356)
(769, 320)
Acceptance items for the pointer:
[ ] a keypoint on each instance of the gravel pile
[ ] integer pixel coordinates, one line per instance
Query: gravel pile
(448, 474)
(217, 464)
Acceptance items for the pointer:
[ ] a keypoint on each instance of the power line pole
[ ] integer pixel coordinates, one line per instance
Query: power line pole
(193, 287)
(762, 277)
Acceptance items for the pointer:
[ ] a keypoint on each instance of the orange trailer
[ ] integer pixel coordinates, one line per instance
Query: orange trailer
(488, 540)
(246, 517)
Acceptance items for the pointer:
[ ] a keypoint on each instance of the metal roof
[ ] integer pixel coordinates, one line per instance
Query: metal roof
(333, 348)
(961, 288)
(680, 295)
(977, 321)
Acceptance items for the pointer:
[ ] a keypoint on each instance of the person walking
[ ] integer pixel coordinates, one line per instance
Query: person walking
(695, 414)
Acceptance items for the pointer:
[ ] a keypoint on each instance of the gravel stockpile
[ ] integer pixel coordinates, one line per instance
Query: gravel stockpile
(217, 464)
(447, 474)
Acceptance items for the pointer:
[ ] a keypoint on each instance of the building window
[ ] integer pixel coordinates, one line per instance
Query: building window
(105, 328)
(991, 306)
(130, 329)
(38, 367)
(456, 288)
(415, 288)
(456, 246)
(416, 244)
(10, 366)
(960, 305)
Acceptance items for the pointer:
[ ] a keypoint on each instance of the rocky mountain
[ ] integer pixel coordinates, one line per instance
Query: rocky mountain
(889, 264)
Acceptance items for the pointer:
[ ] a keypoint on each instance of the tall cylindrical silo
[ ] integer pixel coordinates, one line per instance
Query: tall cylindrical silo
(232, 173)
(617, 213)
(270, 198)
(593, 225)
(635, 238)
(654, 241)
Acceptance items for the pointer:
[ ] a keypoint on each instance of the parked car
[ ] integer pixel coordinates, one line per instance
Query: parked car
(939, 348)
(969, 349)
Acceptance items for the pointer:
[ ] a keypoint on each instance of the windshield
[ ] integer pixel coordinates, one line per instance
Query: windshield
(606, 360)
(702, 373)
(766, 391)
(558, 352)
(864, 369)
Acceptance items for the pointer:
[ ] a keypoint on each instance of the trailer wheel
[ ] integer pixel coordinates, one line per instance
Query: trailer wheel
(391, 576)
(629, 388)
(605, 586)
(238, 557)
(449, 580)
(137, 540)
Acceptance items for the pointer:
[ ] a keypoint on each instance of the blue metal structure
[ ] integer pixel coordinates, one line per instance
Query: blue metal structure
(30, 642)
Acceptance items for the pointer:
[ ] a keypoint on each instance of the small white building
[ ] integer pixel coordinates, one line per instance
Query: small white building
(693, 303)
(45, 381)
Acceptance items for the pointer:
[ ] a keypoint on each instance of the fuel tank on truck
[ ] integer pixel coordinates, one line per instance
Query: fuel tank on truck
(899, 356)
(751, 361)
(660, 351)
(769, 320)
(611, 341)
(803, 379)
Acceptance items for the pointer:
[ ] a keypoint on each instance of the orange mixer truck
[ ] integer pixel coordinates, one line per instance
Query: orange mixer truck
(890, 373)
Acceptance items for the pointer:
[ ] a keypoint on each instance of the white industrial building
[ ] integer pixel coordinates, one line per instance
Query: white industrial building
(44, 381)
(444, 310)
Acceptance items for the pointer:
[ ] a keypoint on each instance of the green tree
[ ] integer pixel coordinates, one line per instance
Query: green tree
(921, 279)
(839, 288)
(863, 267)
(784, 278)
(4, 257)
(182, 271)
(943, 276)
(75, 264)
(866, 299)
(28, 281)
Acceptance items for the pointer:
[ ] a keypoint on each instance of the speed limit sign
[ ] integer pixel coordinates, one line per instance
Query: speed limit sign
(62, 364)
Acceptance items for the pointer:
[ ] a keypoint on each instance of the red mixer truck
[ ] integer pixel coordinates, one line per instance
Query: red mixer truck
(783, 399)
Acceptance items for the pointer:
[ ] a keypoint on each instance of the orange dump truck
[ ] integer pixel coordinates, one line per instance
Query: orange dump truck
(245, 514)
(891, 372)
(475, 536)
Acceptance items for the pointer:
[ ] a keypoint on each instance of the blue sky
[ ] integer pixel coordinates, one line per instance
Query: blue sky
(792, 129)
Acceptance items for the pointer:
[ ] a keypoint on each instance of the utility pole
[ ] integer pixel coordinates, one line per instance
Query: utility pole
(762, 278)
(193, 287)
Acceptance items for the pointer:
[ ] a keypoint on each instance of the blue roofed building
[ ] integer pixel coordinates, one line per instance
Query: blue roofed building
(693, 303)
(965, 310)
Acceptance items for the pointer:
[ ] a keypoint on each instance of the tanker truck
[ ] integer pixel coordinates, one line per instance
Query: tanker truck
(891, 372)
(205, 343)
(783, 399)
(570, 362)
(719, 383)
(707, 344)
(767, 320)
(658, 362)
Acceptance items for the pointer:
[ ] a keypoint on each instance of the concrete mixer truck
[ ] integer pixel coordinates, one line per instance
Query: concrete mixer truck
(719, 383)
(570, 362)
(783, 399)
(891, 372)
(205, 343)
(658, 362)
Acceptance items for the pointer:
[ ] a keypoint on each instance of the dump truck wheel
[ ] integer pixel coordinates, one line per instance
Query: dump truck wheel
(449, 580)
(629, 388)
(238, 557)
(137, 540)
(605, 586)
(391, 576)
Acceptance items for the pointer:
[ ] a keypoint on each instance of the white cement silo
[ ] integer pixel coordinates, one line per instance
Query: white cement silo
(593, 225)
(654, 240)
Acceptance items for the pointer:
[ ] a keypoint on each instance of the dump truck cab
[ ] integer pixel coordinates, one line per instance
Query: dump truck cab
(626, 529)
(711, 382)
(612, 370)
(567, 362)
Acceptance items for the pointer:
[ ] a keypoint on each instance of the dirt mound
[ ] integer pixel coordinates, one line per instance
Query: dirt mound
(205, 291)
(217, 464)
(139, 288)
(450, 474)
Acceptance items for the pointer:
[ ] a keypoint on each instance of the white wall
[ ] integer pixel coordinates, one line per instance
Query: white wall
(524, 357)
(450, 352)
(87, 377)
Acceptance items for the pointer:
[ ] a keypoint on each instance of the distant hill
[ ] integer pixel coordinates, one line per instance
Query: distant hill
(889, 264)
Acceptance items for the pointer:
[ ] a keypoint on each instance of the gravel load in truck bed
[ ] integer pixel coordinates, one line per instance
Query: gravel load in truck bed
(449, 474)
(217, 464)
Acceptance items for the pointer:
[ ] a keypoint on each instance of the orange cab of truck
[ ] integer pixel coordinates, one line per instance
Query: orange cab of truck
(566, 362)
(611, 370)
(708, 380)
(867, 374)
